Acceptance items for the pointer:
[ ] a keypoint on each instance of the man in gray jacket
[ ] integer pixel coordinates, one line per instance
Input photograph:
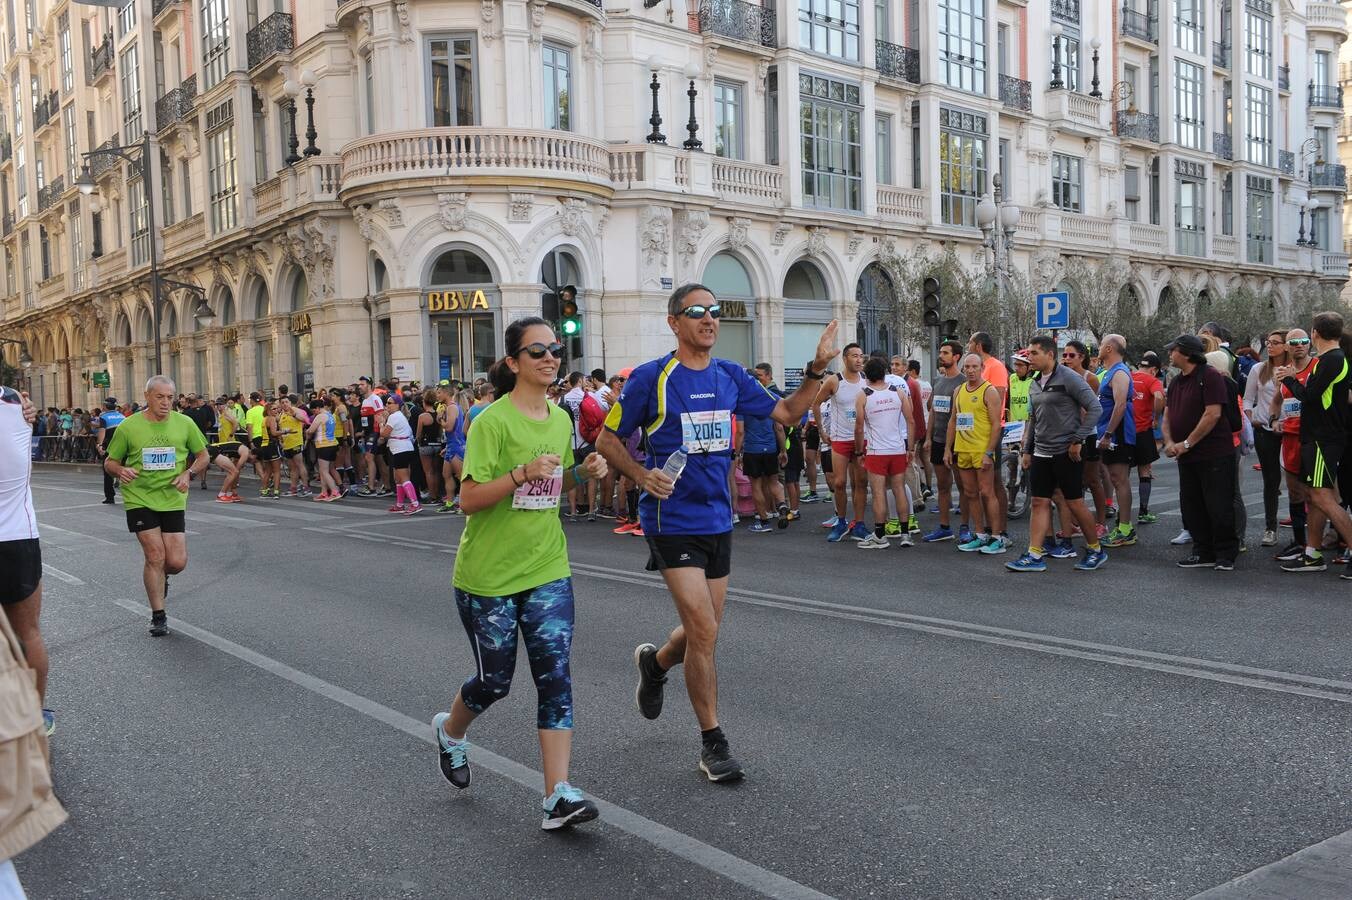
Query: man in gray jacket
(1062, 415)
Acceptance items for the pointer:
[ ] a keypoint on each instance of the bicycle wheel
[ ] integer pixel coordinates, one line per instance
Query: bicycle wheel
(1016, 488)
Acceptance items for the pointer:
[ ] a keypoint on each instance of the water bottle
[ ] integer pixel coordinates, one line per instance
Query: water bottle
(675, 464)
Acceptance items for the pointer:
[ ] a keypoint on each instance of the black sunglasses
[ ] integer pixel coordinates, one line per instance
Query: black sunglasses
(538, 350)
(697, 311)
(1298, 342)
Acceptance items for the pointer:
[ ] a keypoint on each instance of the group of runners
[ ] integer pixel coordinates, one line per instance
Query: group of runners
(673, 434)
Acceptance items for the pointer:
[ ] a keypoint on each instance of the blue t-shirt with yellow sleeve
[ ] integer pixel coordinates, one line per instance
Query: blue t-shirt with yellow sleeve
(676, 405)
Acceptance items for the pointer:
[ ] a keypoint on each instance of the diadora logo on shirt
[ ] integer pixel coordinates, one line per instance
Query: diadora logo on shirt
(710, 396)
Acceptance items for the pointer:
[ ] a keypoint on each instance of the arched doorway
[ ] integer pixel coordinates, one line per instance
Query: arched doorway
(727, 277)
(302, 339)
(223, 301)
(807, 310)
(463, 304)
(558, 272)
(877, 298)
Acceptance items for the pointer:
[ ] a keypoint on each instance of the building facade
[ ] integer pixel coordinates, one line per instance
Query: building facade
(468, 160)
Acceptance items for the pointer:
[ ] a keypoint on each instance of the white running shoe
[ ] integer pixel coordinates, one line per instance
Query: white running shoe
(873, 542)
(1183, 537)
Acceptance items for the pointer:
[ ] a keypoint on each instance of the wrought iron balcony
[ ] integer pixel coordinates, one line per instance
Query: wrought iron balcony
(896, 61)
(1283, 78)
(49, 193)
(160, 6)
(1139, 25)
(104, 161)
(1015, 93)
(1220, 55)
(7, 224)
(1221, 145)
(176, 104)
(1066, 11)
(6, 147)
(741, 21)
(43, 111)
(1286, 162)
(1328, 176)
(1138, 125)
(269, 38)
(1328, 96)
(100, 58)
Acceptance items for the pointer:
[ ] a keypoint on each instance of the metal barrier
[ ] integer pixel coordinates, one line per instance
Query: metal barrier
(67, 448)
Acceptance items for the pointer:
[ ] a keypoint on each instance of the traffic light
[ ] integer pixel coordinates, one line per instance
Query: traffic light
(930, 301)
(570, 322)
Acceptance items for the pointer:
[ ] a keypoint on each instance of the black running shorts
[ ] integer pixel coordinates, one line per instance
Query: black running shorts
(1146, 450)
(1319, 464)
(1121, 455)
(760, 465)
(1048, 473)
(21, 561)
(710, 552)
(142, 519)
(229, 448)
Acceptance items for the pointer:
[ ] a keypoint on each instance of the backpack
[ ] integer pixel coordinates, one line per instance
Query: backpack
(1232, 414)
(591, 418)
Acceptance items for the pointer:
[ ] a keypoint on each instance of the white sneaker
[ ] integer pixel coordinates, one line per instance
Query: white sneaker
(1183, 537)
(1269, 538)
(736, 519)
(905, 540)
(873, 542)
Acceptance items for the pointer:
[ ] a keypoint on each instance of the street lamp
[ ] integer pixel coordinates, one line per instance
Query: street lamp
(1306, 206)
(1056, 83)
(998, 220)
(87, 186)
(307, 78)
(292, 88)
(693, 142)
(655, 120)
(1094, 83)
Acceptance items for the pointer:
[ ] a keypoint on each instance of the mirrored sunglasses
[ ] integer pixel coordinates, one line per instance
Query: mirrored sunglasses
(697, 311)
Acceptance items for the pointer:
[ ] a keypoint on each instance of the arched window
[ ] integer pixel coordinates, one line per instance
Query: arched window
(877, 303)
(262, 300)
(300, 290)
(805, 282)
(807, 309)
(458, 267)
(122, 331)
(224, 305)
(727, 277)
(379, 274)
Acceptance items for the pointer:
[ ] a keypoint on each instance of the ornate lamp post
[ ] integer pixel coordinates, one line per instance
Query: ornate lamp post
(693, 142)
(292, 87)
(1056, 83)
(307, 78)
(998, 220)
(1094, 82)
(655, 136)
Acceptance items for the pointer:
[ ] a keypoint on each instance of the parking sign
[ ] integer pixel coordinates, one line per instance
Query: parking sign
(1053, 310)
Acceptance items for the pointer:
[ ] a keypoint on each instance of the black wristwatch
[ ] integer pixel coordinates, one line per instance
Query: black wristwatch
(808, 373)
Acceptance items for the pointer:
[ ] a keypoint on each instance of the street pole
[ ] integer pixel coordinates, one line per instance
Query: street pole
(154, 259)
(934, 351)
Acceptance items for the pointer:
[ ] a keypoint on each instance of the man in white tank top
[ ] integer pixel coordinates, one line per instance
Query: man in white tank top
(884, 419)
(842, 390)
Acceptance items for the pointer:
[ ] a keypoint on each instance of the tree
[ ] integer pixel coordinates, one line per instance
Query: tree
(1095, 294)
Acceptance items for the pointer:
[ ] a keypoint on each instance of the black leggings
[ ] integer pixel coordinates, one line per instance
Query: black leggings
(1269, 447)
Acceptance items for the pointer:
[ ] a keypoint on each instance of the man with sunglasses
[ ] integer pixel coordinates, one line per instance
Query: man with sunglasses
(1286, 409)
(688, 399)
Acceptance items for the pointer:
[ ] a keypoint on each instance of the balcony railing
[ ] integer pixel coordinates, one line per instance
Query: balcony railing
(1015, 93)
(1286, 162)
(6, 147)
(1328, 96)
(104, 161)
(269, 37)
(1066, 11)
(1220, 55)
(1283, 78)
(1138, 125)
(1221, 145)
(49, 193)
(7, 223)
(906, 204)
(737, 180)
(100, 58)
(1328, 176)
(738, 20)
(1139, 25)
(44, 109)
(177, 104)
(160, 6)
(896, 61)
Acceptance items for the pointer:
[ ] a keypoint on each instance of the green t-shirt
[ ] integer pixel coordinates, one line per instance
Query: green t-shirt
(158, 451)
(253, 420)
(517, 544)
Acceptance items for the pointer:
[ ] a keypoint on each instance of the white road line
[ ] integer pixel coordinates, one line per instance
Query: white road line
(66, 508)
(1318, 872)
(691, 849)
(228, 521)
(42, 485)
(77, 534)
(61, 576)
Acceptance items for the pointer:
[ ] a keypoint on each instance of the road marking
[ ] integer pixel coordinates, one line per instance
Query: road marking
(229, 521)
(1321, 871)
(74, 534)
(69, 490)
(691, 849)
(61, 576)
(65, 508)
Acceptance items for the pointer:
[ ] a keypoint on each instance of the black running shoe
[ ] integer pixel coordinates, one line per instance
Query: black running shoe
(1196, 562)
(1305, 563)
(454, 757)
(718, 763)
(1225, 565)
(159, 625)
(783, 516)
(567, 807)
(166, 586)
(649, 692)
(1295, 550)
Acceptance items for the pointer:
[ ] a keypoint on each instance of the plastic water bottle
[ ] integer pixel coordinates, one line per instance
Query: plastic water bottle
(675, 464)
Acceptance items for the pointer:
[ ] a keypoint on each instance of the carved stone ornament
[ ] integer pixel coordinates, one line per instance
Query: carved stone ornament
(405, 26)
(762, 75)
(694, 222)
(738, 232)
(781, 234)
(453, 210)
(1038, 156)
(537, 20)
(856, 242)
(601, 221)
(311, 245)
(487, 10)
(816, 241)
(519, 207)
(572, 215)
(1047, 268)
(364, 23)
(710, 58)
(365, 222)
(591, 44)
(655, 234)
(394, 215)
(887, 253)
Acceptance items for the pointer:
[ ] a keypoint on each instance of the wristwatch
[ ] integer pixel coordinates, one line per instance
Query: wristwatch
(1186, 445)
(808, 373)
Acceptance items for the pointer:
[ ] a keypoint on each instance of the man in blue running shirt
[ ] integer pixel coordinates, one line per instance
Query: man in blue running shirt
(687, 398)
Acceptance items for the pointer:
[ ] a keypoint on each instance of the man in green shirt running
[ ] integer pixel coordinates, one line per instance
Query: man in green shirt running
(155, 454)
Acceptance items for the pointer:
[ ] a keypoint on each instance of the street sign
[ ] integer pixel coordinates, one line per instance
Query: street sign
(101, 379)
(1053, 310)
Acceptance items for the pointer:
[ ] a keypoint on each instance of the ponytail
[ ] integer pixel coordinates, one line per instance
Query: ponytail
(501, 376)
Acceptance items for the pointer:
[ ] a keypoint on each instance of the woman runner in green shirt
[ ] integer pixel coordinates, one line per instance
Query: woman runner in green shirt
(511, 571)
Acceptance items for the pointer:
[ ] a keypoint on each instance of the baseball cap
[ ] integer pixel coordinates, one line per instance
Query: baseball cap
(1150, 358)
(110, 402)
(1190, 345)
(366, 378)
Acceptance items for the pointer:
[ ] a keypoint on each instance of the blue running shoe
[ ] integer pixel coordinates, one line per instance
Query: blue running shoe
(838, 531)
(760, 527)
(940, 533)
(1092, 560)
(1027, 563)
(996, 545)
(1063, 549)
(567, 807)
(964, 534)
(859, 532)
(975, 544)
(934, 508)
(454, 755)
(48, 721)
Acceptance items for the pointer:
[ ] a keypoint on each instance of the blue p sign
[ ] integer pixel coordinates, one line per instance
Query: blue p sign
(1053, 310)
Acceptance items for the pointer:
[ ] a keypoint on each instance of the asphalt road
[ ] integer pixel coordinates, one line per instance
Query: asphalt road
(915, 722)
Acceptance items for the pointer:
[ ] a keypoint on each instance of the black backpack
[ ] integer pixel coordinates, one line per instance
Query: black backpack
(1231, 409)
